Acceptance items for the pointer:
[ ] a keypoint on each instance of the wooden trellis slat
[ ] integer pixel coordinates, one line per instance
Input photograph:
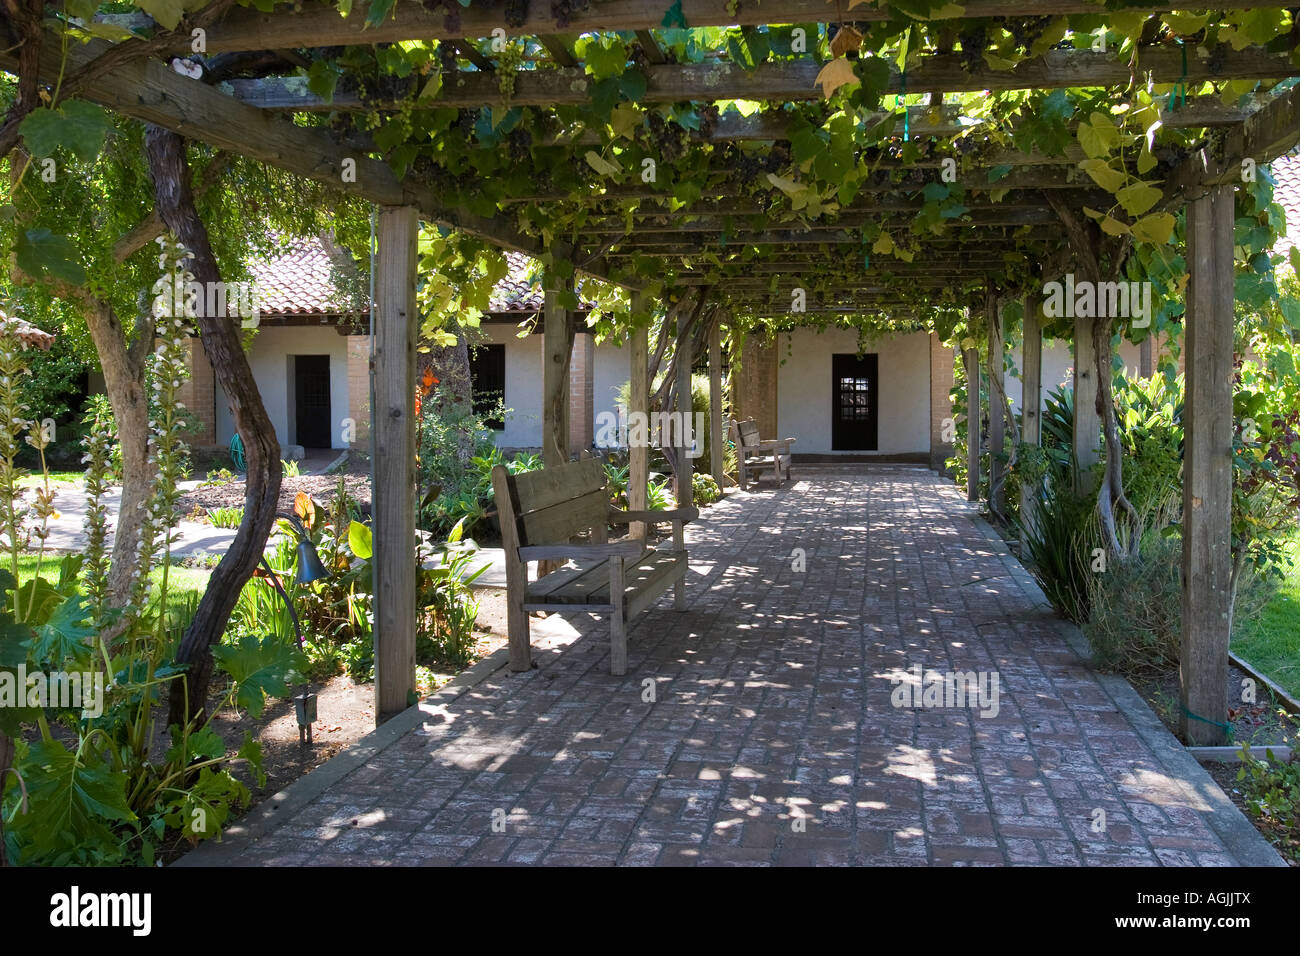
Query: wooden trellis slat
(795, 80)
(319, 24)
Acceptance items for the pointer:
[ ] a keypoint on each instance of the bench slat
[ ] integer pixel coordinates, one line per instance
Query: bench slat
(539, 490)
(543, 586)
(651, 569)
(563, 520)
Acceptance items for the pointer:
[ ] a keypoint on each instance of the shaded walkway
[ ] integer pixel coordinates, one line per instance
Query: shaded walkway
(772, 738)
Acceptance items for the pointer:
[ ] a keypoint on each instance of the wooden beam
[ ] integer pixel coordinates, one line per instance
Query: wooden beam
(897, 217)
(974, 425)
(653, 52)
(148, 91)
(1207, 471)
(560, 47)
(639, 406)
(393, 435)
(320, 24)
(785, 81)
(557, 348)
(685, 490)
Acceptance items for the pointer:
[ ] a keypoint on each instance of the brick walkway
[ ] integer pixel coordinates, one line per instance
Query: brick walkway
(773, 738)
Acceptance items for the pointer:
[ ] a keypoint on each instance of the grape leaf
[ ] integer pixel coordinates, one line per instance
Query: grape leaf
(41, 253)
(78, 126)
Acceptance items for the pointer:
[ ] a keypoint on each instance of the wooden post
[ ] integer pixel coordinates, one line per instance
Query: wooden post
(971, 361)
(1207, 469)
(557, 349)
(1031, 400)
(638, 473)
(997, 407)
(1146, 356)
(393, 442)
(717, 433)
(685, 464)
(1087, 423)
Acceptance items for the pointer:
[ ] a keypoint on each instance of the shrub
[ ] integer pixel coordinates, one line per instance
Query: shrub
(226, 517)
(705, 489)
(1136, 609)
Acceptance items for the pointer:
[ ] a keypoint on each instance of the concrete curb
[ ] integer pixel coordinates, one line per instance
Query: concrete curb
(1238, 834)
(267, 815)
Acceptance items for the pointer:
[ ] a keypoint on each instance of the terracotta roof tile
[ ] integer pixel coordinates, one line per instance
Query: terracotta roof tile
(1286, 170)
(302, 281)
(27, 333)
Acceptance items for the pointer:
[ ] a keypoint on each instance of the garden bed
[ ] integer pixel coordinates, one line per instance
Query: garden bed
(230, 493)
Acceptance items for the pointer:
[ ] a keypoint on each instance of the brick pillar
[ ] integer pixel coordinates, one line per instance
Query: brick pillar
(359, 389)
(581, 393)
(199, 393)
(756, 384)
(942, 379)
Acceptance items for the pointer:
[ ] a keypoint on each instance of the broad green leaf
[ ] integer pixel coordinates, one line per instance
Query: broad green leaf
(1138, 198)
(66, 635)
(260, 667)
(323, 77)
(40, 253)
(360, 540)
(601, 165)
(884, 245)
(1155, 228)
(1104, 175)
(168, 13)
(72, 798)
(626, 119)
(77, 126)
(1113, 227)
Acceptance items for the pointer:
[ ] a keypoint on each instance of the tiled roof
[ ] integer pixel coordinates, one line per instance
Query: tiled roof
(300, 281)
(27, 333)
(303, 281)
(1286, 170)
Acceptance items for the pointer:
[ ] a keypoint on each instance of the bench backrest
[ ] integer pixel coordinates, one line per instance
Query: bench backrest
(747, 433)
(551, 505)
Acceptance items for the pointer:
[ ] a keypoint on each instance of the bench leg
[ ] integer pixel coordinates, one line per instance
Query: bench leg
(617, 620)
(521, 652)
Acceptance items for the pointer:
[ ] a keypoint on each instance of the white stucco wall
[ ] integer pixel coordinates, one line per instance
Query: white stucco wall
(804, 390)
(612, 370)
(523, 387)
(1057, 362)
(272, 370)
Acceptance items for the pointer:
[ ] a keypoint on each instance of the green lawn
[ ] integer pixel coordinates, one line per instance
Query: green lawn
(179, 579)
(56, 477)
(1271, 642)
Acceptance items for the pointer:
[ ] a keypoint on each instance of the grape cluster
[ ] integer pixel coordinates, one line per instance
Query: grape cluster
(639, 59)
(708, 119)
(1027, 30)
(1218, 59)
(560, 10)
(466, 120)
(519, 146)
(516, 12)
(447, 56)
(666, 138)
(749, 168)
(973, 43)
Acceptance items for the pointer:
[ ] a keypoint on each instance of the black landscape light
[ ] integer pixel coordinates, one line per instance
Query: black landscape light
(310, 568)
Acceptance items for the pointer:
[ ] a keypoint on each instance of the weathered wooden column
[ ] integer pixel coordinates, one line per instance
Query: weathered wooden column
(1146, 356)
(1087, 423)
(685, 464)
(557, 350)
(393, 448)
(971, 362)
(682, 403)
(1031, 401)
(997, 407)
(1207, 469)
(638, 415)
(717, 433)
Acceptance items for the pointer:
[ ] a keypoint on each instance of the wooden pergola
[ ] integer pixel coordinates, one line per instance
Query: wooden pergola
(1009, 233)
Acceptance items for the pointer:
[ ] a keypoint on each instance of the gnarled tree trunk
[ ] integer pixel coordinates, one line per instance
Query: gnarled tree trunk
(169, 170)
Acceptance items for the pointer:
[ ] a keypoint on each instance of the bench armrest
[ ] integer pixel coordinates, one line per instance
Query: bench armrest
(619, 516)
(776, 443)
(564, 551)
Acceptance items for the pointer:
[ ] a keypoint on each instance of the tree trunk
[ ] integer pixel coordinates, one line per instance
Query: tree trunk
(169, 170)
(124, 367)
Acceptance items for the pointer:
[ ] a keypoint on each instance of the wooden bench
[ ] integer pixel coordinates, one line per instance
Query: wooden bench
(755, 456)
(540, 512)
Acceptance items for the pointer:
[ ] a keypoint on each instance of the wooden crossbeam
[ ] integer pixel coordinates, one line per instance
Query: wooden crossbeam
(1267, 134)
(560, 47)
(795, 80)
(319, 24)
(148, 91)
(976, 218)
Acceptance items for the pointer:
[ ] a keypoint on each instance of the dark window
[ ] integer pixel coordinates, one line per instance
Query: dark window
(487, 373)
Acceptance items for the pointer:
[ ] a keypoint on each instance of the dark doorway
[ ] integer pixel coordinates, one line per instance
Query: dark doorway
(487, 374)
(311, 399)
(854, 412)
